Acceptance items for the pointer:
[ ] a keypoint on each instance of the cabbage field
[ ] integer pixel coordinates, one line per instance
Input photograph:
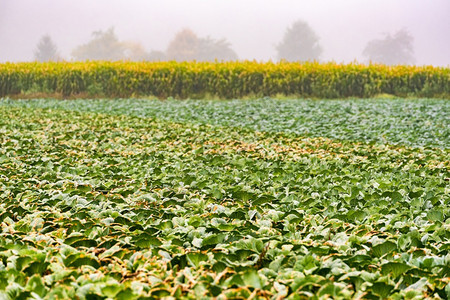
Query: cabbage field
(243, 199)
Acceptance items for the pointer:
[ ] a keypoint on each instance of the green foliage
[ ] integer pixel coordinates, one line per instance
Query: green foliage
(224, 80)
(420, 122)
(108, 199)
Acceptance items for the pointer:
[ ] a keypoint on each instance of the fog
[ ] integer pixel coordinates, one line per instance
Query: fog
(252, 27)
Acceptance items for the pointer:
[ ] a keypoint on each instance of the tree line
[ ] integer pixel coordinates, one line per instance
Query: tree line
(299, 43)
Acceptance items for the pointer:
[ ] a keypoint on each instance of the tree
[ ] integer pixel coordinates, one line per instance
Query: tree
(46, 50)
(300, 43)
(103, 46)
(155, 55)
(210, 50)
(187, 46)
(184, 46)
(134, 51)
(392, 49)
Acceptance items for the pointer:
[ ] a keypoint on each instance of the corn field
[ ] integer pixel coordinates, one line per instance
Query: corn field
(222, 80)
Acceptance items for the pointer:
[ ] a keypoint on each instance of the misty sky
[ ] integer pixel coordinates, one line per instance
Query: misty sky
(253, 27)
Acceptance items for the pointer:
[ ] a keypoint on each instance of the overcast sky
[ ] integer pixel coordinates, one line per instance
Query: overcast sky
(253, 27)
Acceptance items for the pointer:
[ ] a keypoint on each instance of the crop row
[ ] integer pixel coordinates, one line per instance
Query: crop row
(223, 80)
(109, 205)
(412, 122)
